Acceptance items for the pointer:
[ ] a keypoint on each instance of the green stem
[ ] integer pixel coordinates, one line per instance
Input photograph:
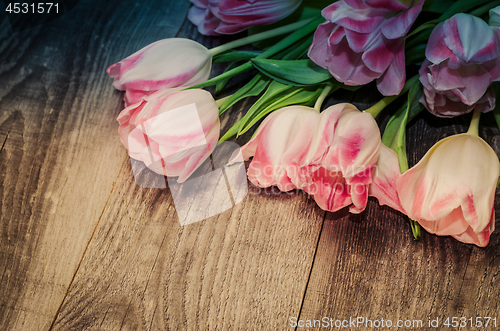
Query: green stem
(379, 106)
(220, 101)
(323, 96)
(284, 43)
(474, 123)
(258, 37)
(415, 229)
(426, 25)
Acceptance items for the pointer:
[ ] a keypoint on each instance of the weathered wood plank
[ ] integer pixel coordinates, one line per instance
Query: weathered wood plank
(58, 160)
(246, 268)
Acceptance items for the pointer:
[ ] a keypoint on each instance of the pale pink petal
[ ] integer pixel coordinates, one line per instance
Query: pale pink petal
(165, 63)
(385, 176)
(452, 187)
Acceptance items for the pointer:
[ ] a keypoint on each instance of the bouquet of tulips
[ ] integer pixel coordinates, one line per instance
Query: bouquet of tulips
(337, 155)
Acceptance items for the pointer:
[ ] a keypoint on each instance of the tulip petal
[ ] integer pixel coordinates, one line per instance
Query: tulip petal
(453, 184)
(318, 51)
(398, 26)
(358, 20)
(381, 53)
(171, 131)
(461, 33)
(385, 176)
(393, 79)
(348, 67)
(436, 50)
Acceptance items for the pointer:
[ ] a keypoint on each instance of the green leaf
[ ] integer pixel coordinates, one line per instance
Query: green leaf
(297, 97)
(299, 50)
(226, 75)
(220, 85)
(284, 43)
(293, 72)
(461, 6)
(274, 89)
(437, 6)
(252, 88)
(415, 55)
(413, 107)
(232, 131)
(232, 56)
(308, 9)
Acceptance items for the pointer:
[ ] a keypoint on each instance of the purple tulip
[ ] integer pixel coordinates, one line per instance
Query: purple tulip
(363, 40)
(462, 61)
(214, 17)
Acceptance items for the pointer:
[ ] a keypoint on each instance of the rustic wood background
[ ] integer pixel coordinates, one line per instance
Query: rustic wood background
(82, 247)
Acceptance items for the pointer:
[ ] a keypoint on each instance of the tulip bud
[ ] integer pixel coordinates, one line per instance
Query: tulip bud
(460, 67)
(171, 131)
(451, 191)
(364, 40)
(167, 63)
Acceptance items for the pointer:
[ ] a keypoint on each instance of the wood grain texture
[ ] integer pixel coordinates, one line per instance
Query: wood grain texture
(58, 159)
(246, 268)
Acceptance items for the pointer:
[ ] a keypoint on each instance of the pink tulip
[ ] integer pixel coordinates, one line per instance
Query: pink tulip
(462, 61)
(451, 191)
(363, 40)
(385, 176)
(166, 63)
(330, 155)
(171, 131)
(213, 17)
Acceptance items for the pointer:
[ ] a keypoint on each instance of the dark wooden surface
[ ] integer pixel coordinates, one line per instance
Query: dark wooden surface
(82, 247)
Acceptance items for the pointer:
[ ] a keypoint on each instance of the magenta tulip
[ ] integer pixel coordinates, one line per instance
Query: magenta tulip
(171, 131)
(363, 40)
(329, 155)
(462, 61)
(167, 63)
(213, 17)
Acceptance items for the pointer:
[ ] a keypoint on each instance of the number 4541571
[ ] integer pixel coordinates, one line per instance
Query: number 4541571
(25, 8)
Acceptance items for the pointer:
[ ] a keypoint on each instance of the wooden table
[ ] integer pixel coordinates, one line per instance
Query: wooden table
(82, 247)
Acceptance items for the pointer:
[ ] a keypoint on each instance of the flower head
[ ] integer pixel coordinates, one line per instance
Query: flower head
(459, 67)
(171, 131)
(213, 17)
(363, 40)
(330, 155)
(451, 191)
(167, 63)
